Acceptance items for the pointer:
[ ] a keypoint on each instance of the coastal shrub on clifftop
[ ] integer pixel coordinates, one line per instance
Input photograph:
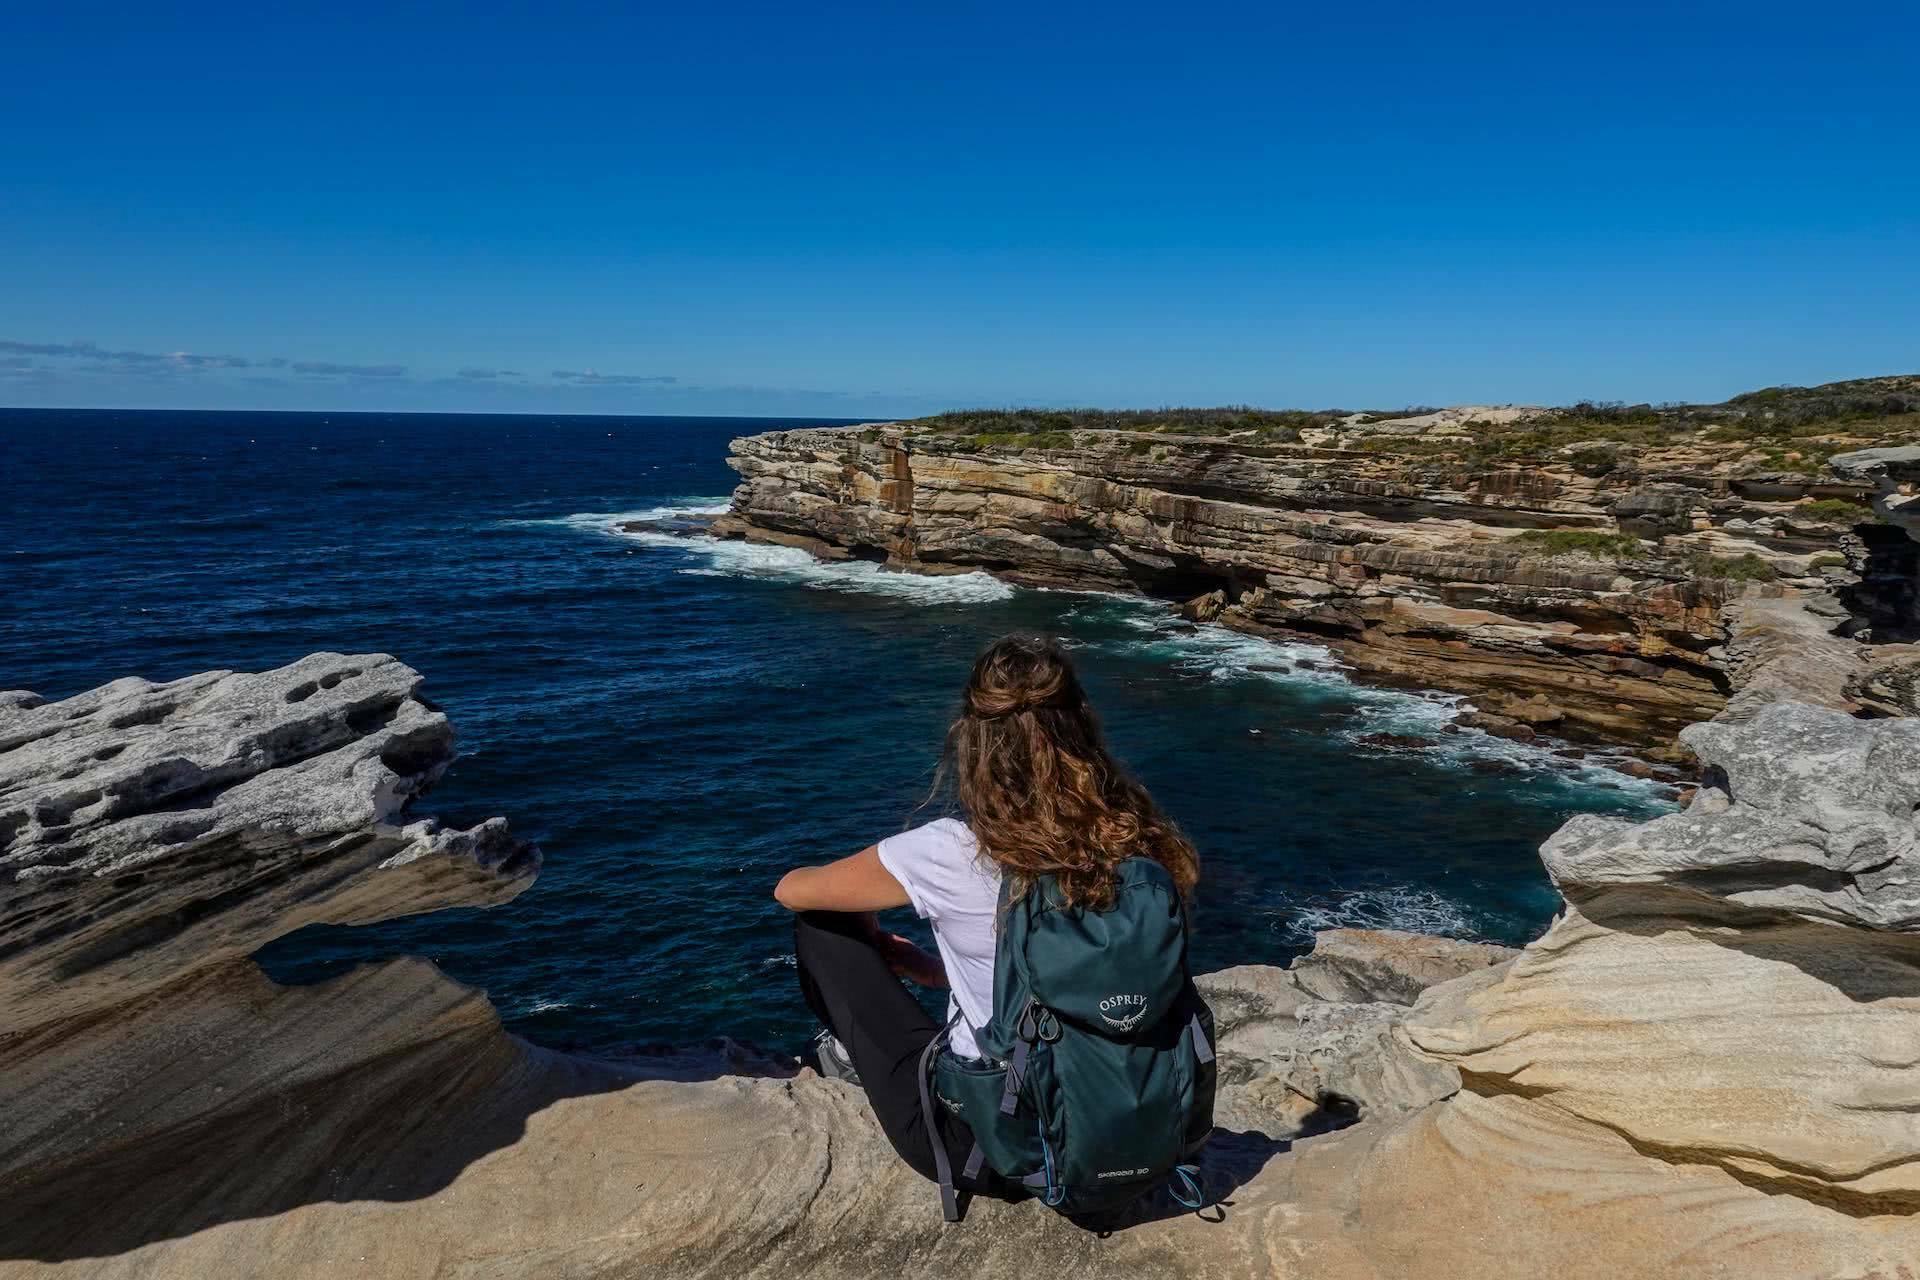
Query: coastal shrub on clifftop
(1784, 429)
(1561, 542)
(1267, 425)
(1747, 567)
(1838, 510)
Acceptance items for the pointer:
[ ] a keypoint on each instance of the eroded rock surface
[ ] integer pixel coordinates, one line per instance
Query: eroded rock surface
(1387, 964)
(1706, 1067)
(153, 836)
(1807, 812)
(1312, 1047)
(1347, 1060)
(1786, 650)
(1893, 474)
(150, 830)
(1733, 992)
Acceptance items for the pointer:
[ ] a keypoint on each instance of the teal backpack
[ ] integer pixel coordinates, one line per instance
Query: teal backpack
(1096, 1077)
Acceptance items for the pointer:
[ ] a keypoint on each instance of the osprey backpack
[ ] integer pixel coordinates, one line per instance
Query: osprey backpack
(1095, 1082)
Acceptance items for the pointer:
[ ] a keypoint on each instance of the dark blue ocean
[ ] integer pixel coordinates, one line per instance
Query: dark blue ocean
(677, 722)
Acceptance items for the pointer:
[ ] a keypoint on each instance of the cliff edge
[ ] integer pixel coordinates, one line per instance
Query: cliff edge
(1705, 1067)
(1568, 568)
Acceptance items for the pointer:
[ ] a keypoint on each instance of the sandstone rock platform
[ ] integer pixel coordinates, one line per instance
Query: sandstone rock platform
(1706, 1067)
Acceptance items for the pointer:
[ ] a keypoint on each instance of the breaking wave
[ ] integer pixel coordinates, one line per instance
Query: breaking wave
(1137, 628)
(726, 559)
(609, 522)
(1219, 653)
(723, 558)
(1401, 907)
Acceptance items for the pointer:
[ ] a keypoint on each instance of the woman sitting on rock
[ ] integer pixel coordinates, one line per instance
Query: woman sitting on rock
(1041, 796)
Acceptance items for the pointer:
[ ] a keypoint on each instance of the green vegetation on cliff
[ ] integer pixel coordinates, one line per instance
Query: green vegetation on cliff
(1021, 440)
(1563, 542)
(1838, 510)
(1786, 429)
(1621, 546)
(1741, 568)
(1281, 425)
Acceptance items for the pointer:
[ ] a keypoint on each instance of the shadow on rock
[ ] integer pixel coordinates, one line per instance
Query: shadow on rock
(400, 1130)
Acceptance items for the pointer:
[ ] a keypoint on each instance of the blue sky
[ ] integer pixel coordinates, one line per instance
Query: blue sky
(877, 210)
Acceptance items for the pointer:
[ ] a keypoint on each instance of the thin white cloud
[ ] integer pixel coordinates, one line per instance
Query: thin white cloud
(94, 353)
(328, 369)
(589, 378)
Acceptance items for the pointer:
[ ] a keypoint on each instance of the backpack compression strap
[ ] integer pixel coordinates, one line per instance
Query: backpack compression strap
(942, 1166)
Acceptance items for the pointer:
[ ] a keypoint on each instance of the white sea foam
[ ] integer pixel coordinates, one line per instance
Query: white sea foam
(547, 1006)
(725, 559)
(1223, 654)
(1429, 715)
(721, 558)
(691, 507)
(609, 522)
(1403, 907)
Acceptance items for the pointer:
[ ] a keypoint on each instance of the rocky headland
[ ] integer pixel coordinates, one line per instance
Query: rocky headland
(1585, 569)
(1706, 1067)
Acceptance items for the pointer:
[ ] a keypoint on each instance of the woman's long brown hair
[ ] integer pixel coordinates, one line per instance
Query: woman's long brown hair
(1042, 793)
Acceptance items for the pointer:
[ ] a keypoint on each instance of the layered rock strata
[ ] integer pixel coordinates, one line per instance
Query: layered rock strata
(1414, 568)
(152, 837)
(1890, 683)
(1710, 1056)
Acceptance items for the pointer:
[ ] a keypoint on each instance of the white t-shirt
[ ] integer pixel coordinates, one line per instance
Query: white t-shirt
(957, 892)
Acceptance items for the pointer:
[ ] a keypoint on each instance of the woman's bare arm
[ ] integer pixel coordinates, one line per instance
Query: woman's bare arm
(859, 882)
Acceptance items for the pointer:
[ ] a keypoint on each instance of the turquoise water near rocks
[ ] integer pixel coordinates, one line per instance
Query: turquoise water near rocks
(679, 720)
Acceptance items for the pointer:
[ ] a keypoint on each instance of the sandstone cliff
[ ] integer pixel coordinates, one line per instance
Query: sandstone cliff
(1595, 574)
(152, 836)
(1705, 1068)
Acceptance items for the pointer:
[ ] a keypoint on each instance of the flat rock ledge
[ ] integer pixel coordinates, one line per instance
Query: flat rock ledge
(1706, 1067)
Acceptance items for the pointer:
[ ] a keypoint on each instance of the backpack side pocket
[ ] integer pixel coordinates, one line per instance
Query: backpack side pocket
(973, 1091)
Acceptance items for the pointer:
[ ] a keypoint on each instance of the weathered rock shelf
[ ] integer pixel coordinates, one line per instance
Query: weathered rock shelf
(1706, 1067)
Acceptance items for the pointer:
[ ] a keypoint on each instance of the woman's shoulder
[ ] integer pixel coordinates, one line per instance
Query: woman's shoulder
(950, 831)
(945, 844)
(941, 831)
(941, 839)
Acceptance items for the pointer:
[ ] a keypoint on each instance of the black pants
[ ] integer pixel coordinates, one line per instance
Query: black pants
(847, 984)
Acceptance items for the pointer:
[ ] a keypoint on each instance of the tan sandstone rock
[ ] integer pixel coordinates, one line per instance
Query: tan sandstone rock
(1707, 1067)
(1411, 566)
(1388, 964)
(1732, 987)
